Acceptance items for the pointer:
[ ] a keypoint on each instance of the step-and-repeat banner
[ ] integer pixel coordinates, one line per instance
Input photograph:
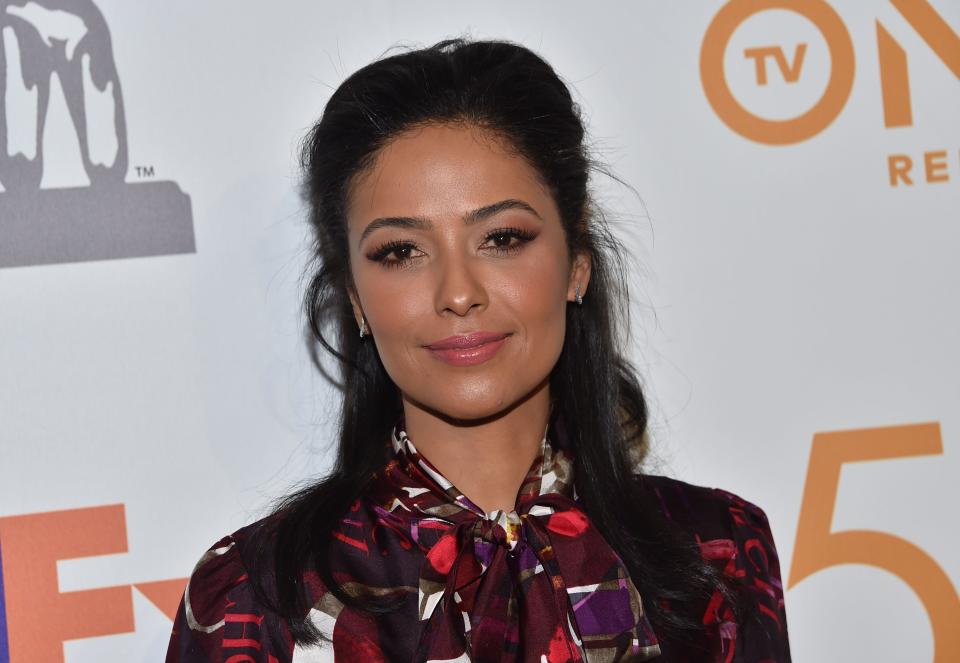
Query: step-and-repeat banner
(794, 257)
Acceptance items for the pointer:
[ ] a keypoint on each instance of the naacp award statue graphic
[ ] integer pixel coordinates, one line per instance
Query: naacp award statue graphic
(104, 217)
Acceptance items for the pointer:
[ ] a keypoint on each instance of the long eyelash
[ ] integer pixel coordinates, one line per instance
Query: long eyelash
(519, 233)
(387, 248)
(381, 252)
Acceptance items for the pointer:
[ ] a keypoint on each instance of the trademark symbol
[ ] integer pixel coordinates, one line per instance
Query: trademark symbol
(144, 171)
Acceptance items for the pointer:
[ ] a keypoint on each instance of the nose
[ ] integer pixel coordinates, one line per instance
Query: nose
(459, 286)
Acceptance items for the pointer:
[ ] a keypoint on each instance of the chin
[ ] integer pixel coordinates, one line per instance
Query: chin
(468, 409)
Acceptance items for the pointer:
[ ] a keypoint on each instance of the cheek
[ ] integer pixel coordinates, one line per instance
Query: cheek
(394, 309)
(535, 295)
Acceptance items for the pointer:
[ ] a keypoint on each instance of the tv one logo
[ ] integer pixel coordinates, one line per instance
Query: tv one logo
(36, 617)
(779, 77)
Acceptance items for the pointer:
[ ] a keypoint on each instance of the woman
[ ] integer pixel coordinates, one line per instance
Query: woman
(484, 505)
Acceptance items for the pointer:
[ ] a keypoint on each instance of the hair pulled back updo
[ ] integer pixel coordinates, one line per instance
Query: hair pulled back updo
(513, 93)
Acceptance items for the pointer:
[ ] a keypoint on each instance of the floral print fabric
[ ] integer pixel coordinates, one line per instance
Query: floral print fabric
(537, 584)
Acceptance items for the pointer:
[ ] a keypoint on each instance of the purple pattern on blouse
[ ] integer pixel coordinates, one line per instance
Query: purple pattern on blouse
(536, 584)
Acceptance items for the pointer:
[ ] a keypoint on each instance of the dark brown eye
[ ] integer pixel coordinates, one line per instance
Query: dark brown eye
(401, 251)
(503, 237)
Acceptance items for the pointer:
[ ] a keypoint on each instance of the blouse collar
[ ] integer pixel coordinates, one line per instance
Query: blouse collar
(551, 471)
(545, 546)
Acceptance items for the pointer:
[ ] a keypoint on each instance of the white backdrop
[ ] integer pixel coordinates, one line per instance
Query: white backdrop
(162, 385)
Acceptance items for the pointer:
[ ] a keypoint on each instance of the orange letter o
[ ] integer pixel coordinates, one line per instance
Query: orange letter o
(745, 123)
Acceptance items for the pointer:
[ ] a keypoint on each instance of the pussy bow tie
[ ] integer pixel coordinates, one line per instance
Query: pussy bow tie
(539, 583)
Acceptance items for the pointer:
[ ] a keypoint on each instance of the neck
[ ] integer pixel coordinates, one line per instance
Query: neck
(488, 459)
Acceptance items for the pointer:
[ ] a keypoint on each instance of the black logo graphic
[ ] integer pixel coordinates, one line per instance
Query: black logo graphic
(109, 218)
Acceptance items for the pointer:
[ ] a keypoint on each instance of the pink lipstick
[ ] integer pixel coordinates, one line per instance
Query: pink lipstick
(469, 349)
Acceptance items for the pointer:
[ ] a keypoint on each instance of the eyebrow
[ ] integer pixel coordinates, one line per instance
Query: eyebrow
(470, 218)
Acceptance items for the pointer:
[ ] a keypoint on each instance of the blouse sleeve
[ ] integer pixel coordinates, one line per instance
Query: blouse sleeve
(219, 617)
(753, 558)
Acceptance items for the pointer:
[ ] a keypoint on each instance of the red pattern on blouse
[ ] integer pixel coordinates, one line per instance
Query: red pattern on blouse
(539, 584)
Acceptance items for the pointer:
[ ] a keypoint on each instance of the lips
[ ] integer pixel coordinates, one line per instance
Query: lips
(469, 349)
(466, 341)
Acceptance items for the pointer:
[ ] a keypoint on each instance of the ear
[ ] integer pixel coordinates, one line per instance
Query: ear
(355, 304)
(579, 274)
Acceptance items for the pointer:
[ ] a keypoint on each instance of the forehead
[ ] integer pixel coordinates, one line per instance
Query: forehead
(442, 170)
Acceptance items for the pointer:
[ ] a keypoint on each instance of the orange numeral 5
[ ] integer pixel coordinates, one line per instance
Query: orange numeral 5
(818, 548)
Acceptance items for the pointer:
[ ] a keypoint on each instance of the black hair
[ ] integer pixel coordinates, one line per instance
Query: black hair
(509, 90)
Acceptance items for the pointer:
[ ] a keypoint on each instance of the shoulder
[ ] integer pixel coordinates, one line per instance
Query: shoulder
(221, 613)
(219, 578)
(728, 528)
(734, 535)
(709, 513)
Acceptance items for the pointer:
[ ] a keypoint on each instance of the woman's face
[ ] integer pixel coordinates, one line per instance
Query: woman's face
(450, 234)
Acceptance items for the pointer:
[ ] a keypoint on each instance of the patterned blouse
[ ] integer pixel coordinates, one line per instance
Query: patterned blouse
(537, 584)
